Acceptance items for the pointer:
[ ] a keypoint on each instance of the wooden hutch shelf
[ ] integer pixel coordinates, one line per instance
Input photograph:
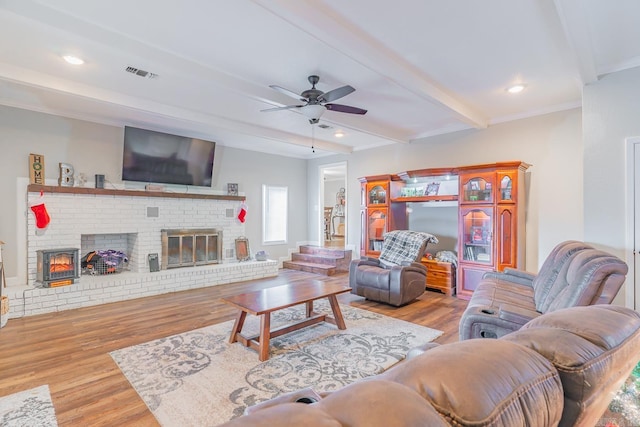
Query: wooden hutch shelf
(450, 198)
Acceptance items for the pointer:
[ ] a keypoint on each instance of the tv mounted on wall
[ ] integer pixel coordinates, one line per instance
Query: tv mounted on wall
(157, 157)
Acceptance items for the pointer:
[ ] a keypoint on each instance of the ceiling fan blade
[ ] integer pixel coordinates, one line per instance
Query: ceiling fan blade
(345, 109)
(288, 93)
(288, 107)
(334, 94)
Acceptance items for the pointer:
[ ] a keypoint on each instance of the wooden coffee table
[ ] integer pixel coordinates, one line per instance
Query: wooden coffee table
(262, 303)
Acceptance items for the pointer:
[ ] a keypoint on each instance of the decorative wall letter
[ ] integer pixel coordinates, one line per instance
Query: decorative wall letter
(66, 175)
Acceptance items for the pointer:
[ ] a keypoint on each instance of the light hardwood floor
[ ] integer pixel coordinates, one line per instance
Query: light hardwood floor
(69, 350)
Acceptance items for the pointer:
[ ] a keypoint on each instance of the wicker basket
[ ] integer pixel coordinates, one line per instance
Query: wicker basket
(4, 311)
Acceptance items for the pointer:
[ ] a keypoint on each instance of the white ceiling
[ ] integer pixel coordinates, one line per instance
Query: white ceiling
(420, 67)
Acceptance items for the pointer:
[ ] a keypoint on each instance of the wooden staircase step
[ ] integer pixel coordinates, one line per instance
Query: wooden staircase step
(318, 250)
(319, 260)
(310, 267)
(315, 258)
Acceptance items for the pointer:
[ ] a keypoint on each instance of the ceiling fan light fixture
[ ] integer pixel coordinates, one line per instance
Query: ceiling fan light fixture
(313, 112)
(73, 60)
(517, 88)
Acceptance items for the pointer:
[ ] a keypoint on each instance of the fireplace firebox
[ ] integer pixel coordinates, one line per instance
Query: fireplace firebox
(186, 248)
(57, 267)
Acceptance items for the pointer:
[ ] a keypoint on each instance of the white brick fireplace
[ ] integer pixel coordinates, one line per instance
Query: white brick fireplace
(132, 222)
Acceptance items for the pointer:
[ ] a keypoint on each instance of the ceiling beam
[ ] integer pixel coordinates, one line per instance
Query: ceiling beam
(576, 30)
(326, 25)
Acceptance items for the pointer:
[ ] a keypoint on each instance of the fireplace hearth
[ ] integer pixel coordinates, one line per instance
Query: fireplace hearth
(57, 267)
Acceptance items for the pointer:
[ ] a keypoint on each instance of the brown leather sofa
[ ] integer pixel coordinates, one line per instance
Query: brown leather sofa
(574, 274)
(562, 368)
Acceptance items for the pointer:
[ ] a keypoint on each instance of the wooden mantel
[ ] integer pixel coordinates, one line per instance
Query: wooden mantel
(35, 188)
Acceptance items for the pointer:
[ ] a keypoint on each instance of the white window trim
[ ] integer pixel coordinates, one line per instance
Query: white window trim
(282, 218)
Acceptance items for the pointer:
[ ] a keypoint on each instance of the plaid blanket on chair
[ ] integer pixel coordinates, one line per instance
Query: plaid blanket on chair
(404, 246)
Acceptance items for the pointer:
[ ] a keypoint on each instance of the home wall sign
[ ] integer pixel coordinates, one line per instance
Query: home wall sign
(36, 169)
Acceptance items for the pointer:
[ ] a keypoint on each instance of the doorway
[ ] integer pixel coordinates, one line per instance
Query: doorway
(632, 285)
(333, 197)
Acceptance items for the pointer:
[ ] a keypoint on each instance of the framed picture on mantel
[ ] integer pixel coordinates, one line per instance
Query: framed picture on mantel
(232, 189)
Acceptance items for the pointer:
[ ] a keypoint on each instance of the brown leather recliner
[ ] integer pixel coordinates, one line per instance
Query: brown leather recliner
(397, 277)
(574, 274)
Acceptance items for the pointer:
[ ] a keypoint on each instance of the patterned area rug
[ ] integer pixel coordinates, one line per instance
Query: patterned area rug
(28, 408)
(624, 410)
(197, 378)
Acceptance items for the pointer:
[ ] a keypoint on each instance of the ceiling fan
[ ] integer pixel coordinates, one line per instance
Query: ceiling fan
(316, 102)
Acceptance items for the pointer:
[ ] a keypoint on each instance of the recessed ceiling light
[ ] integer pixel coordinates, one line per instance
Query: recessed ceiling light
(74, 60)
(517, 88)
(338, 134)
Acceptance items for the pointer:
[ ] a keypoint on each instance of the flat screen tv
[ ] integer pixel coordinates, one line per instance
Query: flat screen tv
(156, 157)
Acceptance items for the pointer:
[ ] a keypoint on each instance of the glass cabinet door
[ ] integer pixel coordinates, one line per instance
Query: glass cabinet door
(478, 189)
(377, 194)
(506, 189)
(477, 235)
(377, 226)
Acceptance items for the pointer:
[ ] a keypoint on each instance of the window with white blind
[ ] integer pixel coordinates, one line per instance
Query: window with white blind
(275, 204)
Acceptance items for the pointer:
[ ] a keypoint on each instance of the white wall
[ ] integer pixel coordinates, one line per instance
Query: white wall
(551, 143)
(439, 219)
(331, 188)
(611, 114)
(95, 148)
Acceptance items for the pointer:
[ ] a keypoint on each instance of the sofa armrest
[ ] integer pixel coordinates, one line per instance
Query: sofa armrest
(306, 395)
(367, 260)
(412, 264)
(409, 267)
(512, 275)
(486, 321)
(518, 315)
(416, 351)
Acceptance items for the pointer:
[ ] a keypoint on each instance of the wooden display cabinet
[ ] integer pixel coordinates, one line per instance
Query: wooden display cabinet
(377, 214)
(491, 222)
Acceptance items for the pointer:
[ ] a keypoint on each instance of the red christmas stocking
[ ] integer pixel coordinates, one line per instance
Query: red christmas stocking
(243, 213)
(40, 211)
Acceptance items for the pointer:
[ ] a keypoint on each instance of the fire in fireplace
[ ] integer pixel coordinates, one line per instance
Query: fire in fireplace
(57, 267)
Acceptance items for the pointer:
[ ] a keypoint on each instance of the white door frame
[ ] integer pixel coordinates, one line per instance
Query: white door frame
(321, 169)
(632, 295)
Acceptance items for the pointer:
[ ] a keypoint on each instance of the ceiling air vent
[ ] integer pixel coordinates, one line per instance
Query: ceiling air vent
(141, 73)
